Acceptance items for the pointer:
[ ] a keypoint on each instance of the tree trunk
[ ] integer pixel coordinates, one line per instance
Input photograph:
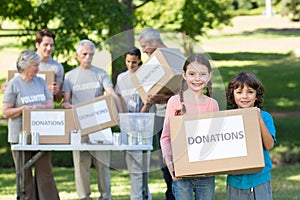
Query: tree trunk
(121, 42)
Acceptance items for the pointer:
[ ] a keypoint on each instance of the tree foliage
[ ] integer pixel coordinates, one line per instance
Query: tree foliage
(291, 8)
(191, 18)
(71, 20)
(104, 20)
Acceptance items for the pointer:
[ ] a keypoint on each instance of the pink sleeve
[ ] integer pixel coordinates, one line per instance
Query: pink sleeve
(215, 105)
(165, 140)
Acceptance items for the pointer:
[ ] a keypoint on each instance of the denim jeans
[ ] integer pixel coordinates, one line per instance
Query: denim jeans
(204, 188)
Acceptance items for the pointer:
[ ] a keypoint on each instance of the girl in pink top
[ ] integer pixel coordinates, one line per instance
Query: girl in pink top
(191, 99)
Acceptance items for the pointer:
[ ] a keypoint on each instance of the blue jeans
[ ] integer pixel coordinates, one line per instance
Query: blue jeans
(204, 188)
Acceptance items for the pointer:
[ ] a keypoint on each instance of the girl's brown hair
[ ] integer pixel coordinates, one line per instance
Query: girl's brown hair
(203, 60)
(239, 81)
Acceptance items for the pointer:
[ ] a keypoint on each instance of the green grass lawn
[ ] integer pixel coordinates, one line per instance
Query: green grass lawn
(285, 183)
(279, 72)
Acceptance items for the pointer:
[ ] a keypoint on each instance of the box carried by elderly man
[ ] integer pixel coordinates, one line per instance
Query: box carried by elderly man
(161, 74)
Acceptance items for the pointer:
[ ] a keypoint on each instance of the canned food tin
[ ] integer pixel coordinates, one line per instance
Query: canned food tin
(23, 138)
(75, 137)
(117, 139)
(132, 140)
(35, 138)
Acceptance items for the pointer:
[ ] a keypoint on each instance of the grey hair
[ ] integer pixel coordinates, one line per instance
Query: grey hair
(149, 34)
(26, 58)
(85, 42)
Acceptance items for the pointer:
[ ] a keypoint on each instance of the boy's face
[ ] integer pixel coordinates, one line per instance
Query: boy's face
(245, 98)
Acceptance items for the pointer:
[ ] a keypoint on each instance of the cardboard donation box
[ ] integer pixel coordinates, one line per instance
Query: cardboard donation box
(95, 115)
(225, 142)
(53, 125)
(160, 74)
(48, 76)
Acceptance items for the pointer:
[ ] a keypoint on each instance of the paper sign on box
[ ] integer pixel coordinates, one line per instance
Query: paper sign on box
(95, 115)
(52, 125)
(217, 143)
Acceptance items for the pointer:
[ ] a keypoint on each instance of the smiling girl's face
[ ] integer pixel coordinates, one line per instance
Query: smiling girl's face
(197, 76)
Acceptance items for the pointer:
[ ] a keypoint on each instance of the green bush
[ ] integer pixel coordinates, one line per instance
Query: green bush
(290, 8)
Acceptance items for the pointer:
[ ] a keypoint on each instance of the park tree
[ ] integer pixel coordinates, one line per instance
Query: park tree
(97, 20)
(190, 18)
(111, 23)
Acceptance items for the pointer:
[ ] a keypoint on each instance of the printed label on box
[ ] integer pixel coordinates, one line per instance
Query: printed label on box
(150, 73)
(50, 124)
(93, 114)
(215, 138)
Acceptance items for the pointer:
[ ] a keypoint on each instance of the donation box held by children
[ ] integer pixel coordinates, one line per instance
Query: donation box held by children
(224, 142)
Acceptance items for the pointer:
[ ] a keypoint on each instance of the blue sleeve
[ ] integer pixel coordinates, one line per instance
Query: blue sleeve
(269, 122)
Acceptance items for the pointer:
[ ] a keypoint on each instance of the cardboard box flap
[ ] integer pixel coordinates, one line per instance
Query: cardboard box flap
(48, 76)
(172, 86)
(174, 58)
(96, 114)
(217, 142)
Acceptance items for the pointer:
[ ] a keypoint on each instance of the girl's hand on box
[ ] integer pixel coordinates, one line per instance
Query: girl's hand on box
(169, 163)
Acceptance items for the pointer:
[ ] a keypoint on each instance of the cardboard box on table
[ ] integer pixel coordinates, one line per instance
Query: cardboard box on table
(48, 76)
(224, 142)
(53, 125)
(95, 115)
(161, 73)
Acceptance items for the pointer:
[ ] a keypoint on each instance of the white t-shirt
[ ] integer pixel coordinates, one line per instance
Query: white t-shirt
(127, 90)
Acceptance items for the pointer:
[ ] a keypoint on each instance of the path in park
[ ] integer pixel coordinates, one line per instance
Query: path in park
(255, 25)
